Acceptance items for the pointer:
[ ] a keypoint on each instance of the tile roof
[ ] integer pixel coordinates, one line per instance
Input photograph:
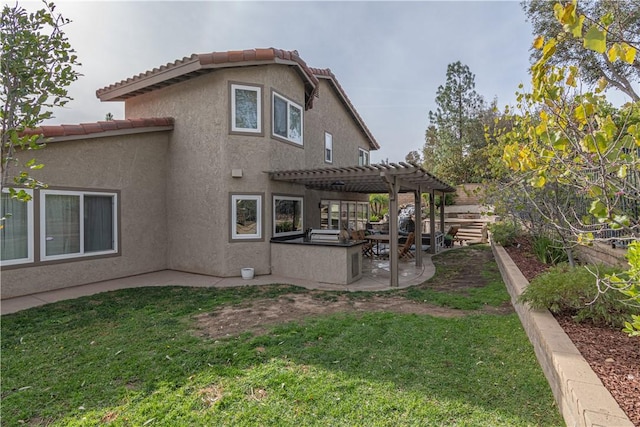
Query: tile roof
(197, 64)
(102, 127)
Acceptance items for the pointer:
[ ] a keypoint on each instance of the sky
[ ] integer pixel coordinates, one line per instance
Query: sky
(389, 57)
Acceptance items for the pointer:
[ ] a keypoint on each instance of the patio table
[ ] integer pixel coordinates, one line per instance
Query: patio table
(376, 239)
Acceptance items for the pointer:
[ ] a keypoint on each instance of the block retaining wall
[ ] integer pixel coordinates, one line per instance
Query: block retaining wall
(581, 397)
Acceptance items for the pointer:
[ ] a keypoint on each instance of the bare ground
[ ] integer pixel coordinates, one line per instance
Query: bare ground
(257, 316)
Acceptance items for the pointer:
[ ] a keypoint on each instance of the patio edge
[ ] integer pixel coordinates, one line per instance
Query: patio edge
(580, 395)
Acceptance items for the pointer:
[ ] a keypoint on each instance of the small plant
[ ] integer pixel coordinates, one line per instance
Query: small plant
(548, 251)
(575, 292)
(374, 218)
(284, 227)
(505, 233)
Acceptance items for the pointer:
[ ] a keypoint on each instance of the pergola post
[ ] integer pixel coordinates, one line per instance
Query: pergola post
(393, 228)
(418, 227)
(442, 213)
(432, 222)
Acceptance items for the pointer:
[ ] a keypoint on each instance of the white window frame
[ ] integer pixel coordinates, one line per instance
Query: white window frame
(290, 104)
(81, 253)
(328, 147)
(30, 233)
(363, 157)
(258, 91)
(234, 213)
(288, 233)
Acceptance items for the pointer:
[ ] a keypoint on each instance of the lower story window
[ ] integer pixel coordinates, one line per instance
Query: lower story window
(16, 233)
(75, 224)
(287, 215)
(246, 215)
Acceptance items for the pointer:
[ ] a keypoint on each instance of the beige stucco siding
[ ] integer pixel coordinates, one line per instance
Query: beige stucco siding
(203, 154)
(136, 165)
(330, 115)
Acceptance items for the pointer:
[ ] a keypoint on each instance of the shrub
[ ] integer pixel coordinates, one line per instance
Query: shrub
(374, 218)
(504, 233)
(574, 292)
(548, 251)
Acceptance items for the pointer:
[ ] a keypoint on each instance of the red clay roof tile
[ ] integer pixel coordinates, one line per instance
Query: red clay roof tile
(192, 66)
(99, 127)
(264, 54)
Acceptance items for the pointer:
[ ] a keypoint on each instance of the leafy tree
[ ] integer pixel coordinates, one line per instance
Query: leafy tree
(413, 157)
(593, 21)
(36, 67)
(379, 204)
(578, 141)
(455, 133)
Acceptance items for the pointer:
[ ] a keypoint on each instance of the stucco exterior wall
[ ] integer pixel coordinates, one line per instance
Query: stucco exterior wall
(203, 153)
(136, 165)
(330, 115)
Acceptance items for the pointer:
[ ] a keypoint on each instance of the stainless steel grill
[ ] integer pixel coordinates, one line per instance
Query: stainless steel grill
(318, 235)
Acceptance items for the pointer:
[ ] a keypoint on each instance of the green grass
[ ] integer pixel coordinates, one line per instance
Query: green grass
(130, 358)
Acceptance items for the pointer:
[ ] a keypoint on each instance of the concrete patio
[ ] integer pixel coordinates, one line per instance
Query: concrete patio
(376, 277)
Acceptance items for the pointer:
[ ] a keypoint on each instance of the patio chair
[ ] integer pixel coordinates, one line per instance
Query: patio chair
(367, 247)
(405, 251)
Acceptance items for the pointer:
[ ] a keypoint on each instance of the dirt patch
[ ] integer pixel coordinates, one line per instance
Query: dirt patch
(458, 271)
(257, 316)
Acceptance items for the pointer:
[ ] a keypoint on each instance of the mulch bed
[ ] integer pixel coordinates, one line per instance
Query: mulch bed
(612, 354)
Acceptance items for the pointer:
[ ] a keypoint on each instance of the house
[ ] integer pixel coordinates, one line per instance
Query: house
(183, 182)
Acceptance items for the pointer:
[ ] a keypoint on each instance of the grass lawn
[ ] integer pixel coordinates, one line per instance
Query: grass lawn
(131, 358)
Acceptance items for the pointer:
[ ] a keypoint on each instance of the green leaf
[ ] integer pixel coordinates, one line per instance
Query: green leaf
(598, 209)
(595, 40)
(607, 19)
(575, 27)
(622, 172)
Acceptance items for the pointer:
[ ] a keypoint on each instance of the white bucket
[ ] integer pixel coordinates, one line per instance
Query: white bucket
(247, 273)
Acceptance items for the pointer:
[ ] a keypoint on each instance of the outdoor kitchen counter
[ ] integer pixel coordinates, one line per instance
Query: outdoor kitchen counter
(328, 262)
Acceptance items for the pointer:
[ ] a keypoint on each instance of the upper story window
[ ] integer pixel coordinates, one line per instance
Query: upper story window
(16, 234)
(246, 108)
(287, 119)
(363, 157)
(75, 224)
(328, 147)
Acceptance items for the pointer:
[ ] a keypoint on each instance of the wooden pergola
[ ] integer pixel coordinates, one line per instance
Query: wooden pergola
(391, 178)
